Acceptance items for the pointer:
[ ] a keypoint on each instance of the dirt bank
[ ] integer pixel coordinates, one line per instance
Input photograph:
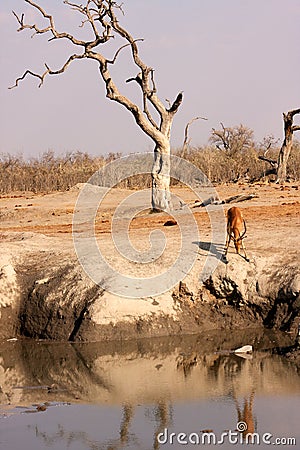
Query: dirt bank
(44, 292)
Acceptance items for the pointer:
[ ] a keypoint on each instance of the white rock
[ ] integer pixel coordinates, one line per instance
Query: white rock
(244, 349)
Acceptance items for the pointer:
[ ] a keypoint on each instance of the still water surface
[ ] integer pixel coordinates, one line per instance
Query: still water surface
(134, 395)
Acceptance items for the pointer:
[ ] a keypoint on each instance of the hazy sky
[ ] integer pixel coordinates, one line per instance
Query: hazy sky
(237, 61)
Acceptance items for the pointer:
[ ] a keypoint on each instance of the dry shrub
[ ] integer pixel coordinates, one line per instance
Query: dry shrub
(47, 173)
(142, 181)
(50, 172)
(219, 167)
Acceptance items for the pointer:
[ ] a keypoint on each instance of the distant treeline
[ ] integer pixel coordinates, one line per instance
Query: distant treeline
(51, 172)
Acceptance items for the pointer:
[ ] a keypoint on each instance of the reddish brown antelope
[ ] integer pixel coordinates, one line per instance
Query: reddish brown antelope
(236, 230)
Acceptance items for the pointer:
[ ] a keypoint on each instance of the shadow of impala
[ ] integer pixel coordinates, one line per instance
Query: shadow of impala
(216, 250)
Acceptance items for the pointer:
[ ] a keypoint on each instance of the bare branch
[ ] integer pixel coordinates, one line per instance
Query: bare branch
(90, 17)
(150, 93)
(83, 22)
(293, 112)
(187, 140)
(48, 71)
(30, 27)
(270, 161)
(188, 125)
(66, 64)
(29, 72)
(112, 61)
(268, 142)
(139, 80)
(152, 80)
(51, 27)
(223, 136)
(169, 102)
(147, 112)
(75, 6)
(176, 104)
(288, 119)
(19, 19)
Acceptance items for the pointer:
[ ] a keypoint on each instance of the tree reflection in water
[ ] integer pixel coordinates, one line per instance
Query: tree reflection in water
(143, 384)
(163, 417)
(162, 413)
(67, 438)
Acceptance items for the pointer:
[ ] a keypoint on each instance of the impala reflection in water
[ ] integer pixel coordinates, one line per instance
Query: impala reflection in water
(124, 395)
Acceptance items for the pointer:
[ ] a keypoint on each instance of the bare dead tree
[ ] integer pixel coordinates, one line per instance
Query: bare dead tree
(236, 143)
(232, 140)
(102, 17)
(279, 166)
(284, 153)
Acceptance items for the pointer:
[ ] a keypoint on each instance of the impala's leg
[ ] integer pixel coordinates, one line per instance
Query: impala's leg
(244, 250)
(228, 239)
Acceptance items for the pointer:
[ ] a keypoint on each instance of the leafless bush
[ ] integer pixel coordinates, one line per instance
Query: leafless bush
(50, 172)
(47, 173)
(220, 167)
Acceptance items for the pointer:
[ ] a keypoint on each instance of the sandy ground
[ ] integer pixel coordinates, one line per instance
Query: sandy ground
(272, 218)
(32, 224)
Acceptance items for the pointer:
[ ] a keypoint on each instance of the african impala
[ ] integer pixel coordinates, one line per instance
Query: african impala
(236, 230)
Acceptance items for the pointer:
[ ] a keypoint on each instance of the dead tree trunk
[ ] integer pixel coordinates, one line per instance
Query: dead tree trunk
(161, 197)
(101, 17)
(286, 147)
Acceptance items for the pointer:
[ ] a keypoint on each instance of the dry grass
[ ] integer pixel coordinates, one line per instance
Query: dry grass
(50, 173)
(219, 167)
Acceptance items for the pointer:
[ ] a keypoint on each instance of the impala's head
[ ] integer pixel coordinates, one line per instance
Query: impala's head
(237, 243)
